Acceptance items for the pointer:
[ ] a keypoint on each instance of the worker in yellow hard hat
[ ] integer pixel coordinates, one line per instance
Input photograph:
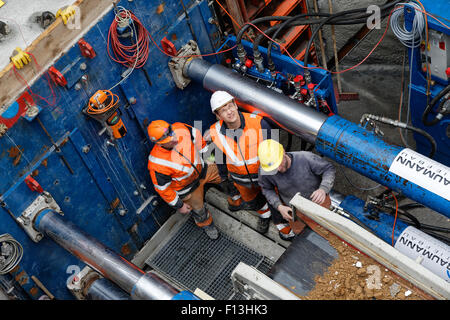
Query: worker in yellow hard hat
(284, 174)
(178, 171)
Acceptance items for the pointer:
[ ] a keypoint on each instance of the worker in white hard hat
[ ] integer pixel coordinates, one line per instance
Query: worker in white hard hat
(283, 174)
(238, 134)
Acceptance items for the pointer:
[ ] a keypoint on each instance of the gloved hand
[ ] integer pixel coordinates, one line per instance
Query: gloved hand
(20, 58)
(65, 13)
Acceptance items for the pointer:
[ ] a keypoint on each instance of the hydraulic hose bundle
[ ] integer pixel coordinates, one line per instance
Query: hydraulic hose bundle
(441, 111)
(11, 253)
(396, 123)
(355, 16)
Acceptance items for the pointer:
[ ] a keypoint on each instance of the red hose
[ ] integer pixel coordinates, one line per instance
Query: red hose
(128, 54)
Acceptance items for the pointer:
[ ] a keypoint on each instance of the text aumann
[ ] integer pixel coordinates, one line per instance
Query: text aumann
(426, 169)
(426, 253)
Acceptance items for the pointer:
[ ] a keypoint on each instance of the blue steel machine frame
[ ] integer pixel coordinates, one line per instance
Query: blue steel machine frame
(440, 131)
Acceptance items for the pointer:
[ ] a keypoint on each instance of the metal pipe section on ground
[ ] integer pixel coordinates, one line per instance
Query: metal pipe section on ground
(402, 170)
(138, 284)
(103, 289)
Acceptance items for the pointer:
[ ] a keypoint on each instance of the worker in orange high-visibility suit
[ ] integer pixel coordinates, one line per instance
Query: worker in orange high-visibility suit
(238, 134)
(178, 171)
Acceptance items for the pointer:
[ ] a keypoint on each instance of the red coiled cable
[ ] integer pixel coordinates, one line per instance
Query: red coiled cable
(131, 56)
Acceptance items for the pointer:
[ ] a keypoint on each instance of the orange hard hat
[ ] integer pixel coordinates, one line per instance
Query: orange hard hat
(160, 131)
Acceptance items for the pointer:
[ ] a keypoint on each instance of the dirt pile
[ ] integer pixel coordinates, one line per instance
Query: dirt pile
(355, 276)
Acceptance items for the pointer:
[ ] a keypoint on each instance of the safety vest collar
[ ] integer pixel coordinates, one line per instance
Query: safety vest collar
(220, 128)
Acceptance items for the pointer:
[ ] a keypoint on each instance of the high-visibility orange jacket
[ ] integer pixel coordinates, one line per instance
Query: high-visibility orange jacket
(175, 173)
(240, 147)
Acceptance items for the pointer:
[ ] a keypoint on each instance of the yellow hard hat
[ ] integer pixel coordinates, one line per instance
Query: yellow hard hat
(270, 153)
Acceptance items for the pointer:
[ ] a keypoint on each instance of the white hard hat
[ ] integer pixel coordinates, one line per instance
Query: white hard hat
(220, 98)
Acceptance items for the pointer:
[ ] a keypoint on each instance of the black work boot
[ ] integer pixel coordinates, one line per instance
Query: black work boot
(235, 205)
(287, 237)
(201, 216)
(263, 225)
(211, 231)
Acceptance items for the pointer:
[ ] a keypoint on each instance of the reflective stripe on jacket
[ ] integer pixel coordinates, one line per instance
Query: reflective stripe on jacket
(175, 173)
(240, 147)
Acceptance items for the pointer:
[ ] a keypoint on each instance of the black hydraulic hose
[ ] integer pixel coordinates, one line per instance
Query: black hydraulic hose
(284, 18)
(430, 106)
(411, 217)
(426, 135)
(435, 228)
(411, 206)
(405, 213)
(291, 23)
(256, 21)
(324, 21)
(438, 236)
(280, 27)
(426, 229)
(362, 14)
(294, 21)
(415, 221)
(288, 23)
(406, 126)
(338, 14)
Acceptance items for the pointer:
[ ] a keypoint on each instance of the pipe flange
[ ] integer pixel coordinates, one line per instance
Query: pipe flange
(27, 219)
(178, 64)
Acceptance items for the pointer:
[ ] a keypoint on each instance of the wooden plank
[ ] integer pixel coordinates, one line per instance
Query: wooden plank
(291, 35)
(49, 46)
(375, 248)
(284, 9)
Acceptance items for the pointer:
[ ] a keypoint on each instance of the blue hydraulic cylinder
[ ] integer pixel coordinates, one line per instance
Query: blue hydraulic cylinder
(381, 223)
(415, 244)
(368, 154)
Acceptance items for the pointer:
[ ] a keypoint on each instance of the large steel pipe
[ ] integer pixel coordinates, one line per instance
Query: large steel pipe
(103, 289)
(291, 115)
(417, 177)
(130, 278)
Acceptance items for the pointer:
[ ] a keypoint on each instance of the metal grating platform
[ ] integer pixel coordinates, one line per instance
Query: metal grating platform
(191, 260)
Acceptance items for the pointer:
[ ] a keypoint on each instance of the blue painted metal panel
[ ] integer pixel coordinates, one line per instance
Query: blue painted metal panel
(102, 173)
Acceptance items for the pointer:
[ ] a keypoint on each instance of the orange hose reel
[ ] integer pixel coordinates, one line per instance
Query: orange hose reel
(103, 106)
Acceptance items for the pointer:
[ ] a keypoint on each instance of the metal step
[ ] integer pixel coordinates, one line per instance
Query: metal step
(191, 260)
